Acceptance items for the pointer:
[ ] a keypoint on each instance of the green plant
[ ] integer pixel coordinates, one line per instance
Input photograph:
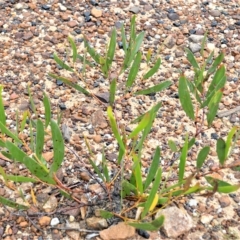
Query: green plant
(153, 191)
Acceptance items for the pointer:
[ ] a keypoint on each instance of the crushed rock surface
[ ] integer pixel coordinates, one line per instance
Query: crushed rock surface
(31, 31)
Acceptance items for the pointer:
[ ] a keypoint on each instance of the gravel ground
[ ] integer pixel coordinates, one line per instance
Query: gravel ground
(31, 31)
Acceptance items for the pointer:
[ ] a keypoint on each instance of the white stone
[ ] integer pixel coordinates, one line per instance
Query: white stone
(193, 203)
(196, 38)
(62, 8)
(206, 218)
(55, 221)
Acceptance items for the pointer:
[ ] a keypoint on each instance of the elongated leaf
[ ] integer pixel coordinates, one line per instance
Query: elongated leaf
(106, 214)
(228, 189)
(209, 59)
(4, 175)
(81, 58)
(149, 54)
(95, 167)
(105, 168)
(218, 81)
(185, 98)
(124, 39)
(149, 226)
(134, 70)
(202, 155)
(191, 143)
(47, 108)
(58, 147)
(111, 49)
(133, 29)
(154, 89)
(153, 70)
(2, 143)
(12, 204)
(191, 58)
(2, 111)
(215, 64)
(112, 91)
(127, 188)
(172, 145)
(24, 120)
(213, 107)
(229, 141)
(61, 63)
(194, 189)
(221, 149)
(39, 139)
(15, 178)
(9, 133)
(70, 83)
(92, 52)
(153, 168)
(152, 194)
(114, 127)
(203, 44)
(154, 109)
(183, 159)
(74, 48)
(153, 113)
(144, 122)
(138, 174)
(212, 181)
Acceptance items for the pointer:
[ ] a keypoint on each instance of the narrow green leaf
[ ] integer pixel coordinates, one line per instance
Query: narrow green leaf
(228, 189)
(105, 168)
(95, 167)
(209, 59)
(134, 70)
(124, 39)
(9, 133)
(82, 59)
(24, 120)
(61, 63)
(191, 58)
(2, 143)
(39, 139)
(154, 109)
(212, 181)
(154, 89)
(4, 175)
(111, 49)
(58, 147)
(152, 193)
(92, 52)
(221, 149)
(144, 122)
(153, 70)
(106, 214)
(113, 85)
(215, 64)
(218, 81)
(12, 204)
(185, 98)
(172, 145)
(153, 168)
(183, 159)
(149, 226)
(127, 188)
(194, 189)
(202, 155)
(203, 44)
(70, 83)
(114, 127)
(213, 107)
(74, 48)
(15, 178)
(138, 174)
(191, 143)
(47, 108)
(133, 29)
(2, 111)
(149, 54)
(229, 141)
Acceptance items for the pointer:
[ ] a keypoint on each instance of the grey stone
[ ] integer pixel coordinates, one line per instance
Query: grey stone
(134, 9)
(177, 221)
(196, 38)
(215, 13)
(195, 47)
(66, 132)
(173, 16)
